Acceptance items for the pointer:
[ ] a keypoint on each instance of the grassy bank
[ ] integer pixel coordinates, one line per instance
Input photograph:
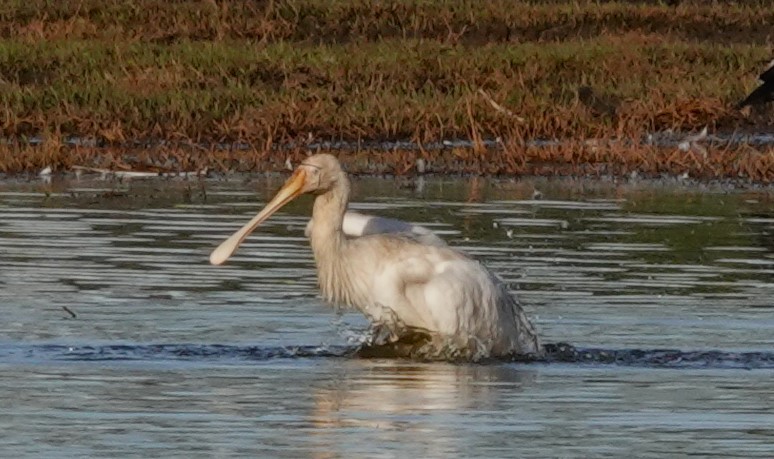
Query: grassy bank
(268, 73)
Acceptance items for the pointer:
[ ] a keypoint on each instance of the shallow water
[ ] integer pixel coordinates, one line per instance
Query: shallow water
(167, 355)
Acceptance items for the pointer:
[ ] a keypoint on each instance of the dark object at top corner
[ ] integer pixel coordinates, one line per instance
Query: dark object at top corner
(764, 93)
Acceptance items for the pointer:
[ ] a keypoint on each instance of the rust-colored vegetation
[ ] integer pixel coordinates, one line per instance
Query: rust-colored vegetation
(241, 85)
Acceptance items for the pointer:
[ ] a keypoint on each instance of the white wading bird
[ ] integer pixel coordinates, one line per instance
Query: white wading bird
(397, 281)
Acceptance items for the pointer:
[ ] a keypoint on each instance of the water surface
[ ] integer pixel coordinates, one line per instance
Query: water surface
(167, 355)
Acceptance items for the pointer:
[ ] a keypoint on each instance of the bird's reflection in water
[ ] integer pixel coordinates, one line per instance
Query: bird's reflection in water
(416, 405)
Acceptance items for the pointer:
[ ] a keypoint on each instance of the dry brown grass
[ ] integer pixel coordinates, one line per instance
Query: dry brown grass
(325, 21)
(272, 73)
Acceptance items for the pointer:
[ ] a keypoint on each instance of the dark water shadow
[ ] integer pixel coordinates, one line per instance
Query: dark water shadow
(559, 353)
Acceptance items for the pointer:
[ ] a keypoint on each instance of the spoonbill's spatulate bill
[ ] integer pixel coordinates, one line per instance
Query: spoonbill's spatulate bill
(395, 280)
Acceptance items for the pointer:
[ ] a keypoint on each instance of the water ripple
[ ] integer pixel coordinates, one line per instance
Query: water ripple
(559, 353)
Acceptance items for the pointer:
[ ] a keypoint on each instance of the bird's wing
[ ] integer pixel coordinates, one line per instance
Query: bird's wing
(434, 288)
(429, 287)
(423, 238)
(356, 225)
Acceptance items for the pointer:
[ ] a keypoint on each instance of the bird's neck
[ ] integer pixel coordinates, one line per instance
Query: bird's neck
(329, 244)
(328, 216)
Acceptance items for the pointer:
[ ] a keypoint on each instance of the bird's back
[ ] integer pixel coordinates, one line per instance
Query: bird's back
(356, 225)
(441, 290)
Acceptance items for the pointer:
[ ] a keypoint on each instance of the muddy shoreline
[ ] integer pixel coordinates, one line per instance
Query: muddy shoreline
(704, 159)
(409, 177)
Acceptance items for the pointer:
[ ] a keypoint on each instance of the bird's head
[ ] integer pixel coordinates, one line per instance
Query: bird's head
(317, 174)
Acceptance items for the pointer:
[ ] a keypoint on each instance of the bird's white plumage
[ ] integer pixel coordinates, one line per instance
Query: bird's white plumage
(398, 280)
(356, 224)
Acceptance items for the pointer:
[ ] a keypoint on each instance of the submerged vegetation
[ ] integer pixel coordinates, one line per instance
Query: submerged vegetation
(197, 79)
